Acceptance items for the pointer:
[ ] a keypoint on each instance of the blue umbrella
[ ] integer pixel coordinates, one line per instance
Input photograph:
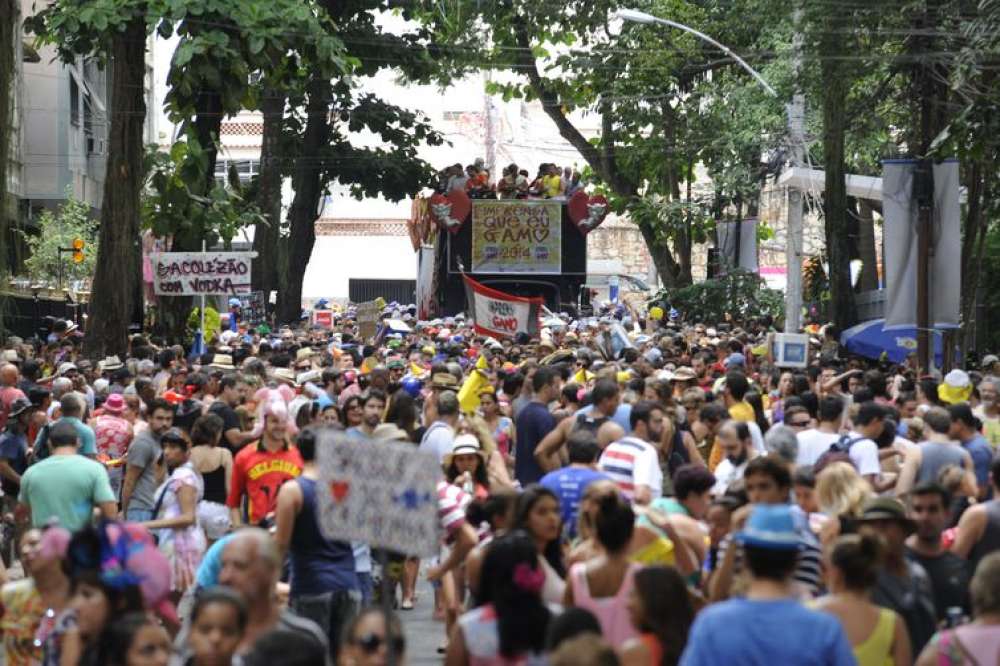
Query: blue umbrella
(870, 339)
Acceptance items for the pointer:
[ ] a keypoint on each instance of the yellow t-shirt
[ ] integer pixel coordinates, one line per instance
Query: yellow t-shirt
(551, 186)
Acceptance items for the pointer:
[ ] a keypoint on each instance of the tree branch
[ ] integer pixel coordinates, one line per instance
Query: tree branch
(598, 160)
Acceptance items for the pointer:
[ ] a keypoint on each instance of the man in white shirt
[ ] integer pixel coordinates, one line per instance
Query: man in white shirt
(868, 426)
(814, 442)
(440, 435)
(633, 462)
(737, 447)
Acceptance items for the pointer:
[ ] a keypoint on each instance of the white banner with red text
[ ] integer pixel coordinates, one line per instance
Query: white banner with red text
(201, 273)
(499, 314)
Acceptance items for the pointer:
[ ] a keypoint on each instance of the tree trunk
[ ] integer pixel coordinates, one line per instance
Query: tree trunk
(868, 280)
(308, 182)
(119, 256)
(973, 234)
(9, 31)
(836, 80)
(267, 237)
(207, 125)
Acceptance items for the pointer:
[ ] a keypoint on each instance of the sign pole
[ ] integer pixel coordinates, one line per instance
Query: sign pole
(201, 311)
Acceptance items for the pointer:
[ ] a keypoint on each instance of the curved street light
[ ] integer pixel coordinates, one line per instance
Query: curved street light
(635, 16)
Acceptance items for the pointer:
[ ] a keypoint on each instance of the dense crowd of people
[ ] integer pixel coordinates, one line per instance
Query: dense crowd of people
(670, 498)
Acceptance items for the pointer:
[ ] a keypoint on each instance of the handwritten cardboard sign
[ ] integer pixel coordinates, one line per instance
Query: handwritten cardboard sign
(517, 237)
(368, 315)
(380, 493)
(201, 273)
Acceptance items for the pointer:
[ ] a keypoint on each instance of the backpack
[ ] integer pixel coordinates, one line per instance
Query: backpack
(839, 451)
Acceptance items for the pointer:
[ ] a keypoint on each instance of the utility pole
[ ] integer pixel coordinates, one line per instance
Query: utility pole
(796, 112)
(490, 117)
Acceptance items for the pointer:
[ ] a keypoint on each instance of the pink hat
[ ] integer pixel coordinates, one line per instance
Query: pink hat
(115, 403)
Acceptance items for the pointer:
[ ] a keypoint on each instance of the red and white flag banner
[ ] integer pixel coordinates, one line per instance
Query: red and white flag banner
(499, 314)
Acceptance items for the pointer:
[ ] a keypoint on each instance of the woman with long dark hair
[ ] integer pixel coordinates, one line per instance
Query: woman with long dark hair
(759, 416)
(510, 624)
(662, 611)
(465, 467)
(537, 513)
(351, 412)
(402, 412)
(603, 583)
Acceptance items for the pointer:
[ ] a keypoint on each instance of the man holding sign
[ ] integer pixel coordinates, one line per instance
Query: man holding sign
(324, 586)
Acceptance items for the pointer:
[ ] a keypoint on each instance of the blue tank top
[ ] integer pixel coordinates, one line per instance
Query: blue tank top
(318, 565)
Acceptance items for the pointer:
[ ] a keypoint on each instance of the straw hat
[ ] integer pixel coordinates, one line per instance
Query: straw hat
(464, 444)
(109, 363)
(286, 375)
(222, 362)
(685, 374)
(444, 380)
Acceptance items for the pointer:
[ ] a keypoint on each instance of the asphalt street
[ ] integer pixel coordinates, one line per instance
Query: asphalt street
(423, 633)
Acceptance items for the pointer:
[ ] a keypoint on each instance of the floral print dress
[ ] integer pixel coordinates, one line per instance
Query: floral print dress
(183, 547)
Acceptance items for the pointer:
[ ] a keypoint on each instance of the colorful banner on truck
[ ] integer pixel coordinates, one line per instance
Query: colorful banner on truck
(517, 237)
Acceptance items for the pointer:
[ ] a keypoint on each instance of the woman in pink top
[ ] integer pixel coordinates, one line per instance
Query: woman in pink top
(603, 583)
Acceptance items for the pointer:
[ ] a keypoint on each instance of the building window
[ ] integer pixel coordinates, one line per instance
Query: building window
(74, 102)
(245, 170)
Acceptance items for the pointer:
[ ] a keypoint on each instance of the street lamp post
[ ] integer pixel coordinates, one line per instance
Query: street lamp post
(795, 114)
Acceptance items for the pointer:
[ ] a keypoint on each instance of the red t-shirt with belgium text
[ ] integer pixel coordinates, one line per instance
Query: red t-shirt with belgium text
(259, 474)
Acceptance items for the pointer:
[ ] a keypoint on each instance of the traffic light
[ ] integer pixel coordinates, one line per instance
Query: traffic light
(78, 246)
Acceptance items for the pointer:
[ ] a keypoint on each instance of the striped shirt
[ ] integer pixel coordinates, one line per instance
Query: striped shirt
(808, 576)
(452, 501)
(631, 462)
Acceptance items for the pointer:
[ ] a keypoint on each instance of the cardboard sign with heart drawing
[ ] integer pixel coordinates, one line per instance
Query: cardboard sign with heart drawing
(380, 493)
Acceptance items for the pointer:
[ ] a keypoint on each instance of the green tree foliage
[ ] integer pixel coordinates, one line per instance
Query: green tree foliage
(738, 296)
(666, 101)
(172, 209)
(327, 130)
(58, 230)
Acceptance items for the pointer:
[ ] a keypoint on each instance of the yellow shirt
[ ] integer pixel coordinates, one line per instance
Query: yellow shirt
(551, 186)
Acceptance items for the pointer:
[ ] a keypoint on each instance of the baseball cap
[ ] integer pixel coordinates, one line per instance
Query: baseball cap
(736, 359)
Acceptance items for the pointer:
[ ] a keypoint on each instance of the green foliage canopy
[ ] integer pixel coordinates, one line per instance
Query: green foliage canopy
(59, 230)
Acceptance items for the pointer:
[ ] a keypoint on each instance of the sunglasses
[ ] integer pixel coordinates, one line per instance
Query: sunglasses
(370, 643)
(799, 424)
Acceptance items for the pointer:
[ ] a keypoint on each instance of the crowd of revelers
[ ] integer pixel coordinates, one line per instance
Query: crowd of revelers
(550, 181)
(673, 499)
